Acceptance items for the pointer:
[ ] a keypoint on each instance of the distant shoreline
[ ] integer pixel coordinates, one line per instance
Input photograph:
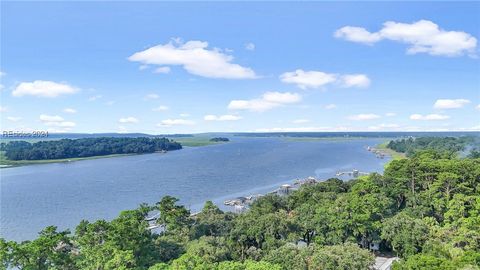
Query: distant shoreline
(19, 163)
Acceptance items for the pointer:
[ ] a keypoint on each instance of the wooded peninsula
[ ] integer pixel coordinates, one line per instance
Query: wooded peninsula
(85, 147)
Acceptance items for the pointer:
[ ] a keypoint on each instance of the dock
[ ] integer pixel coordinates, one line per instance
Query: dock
(240, 204)
(378, 153)
(355, 173)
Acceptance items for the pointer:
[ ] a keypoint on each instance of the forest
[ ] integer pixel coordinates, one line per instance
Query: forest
(424, 209)
(468, 144)
(86, 147)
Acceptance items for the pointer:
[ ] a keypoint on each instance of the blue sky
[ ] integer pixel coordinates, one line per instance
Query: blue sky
(200, 67)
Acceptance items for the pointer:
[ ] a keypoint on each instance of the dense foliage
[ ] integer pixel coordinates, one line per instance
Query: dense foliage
(441, 144)
(87, 147)
(424, 209)
(219, 139)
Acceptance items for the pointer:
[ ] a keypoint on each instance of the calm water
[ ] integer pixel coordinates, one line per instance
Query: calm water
(62, 194)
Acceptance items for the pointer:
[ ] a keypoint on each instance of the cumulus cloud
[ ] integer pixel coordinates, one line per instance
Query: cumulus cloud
(308, 79)
(478, 107)
(55, 121)
(357, 34)
(226, 117)
(363, 116)
(355, 80)
(422, 37)
(129, 119)
(429, 117)
(13, 118)
(175, 122)
(330, 106)
(196, 58)
(69, 110)
(43, 89)
(160, 108)
(268, 101)
(317, 79)
(450, 103)
(250, 46)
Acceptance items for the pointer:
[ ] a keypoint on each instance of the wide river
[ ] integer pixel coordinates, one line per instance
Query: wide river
(62, 194)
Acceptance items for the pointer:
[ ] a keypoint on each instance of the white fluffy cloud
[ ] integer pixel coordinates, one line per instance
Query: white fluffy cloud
(355, 80)
(429, 117)
(43, 89)
(56, 121)
(226, 117)
(308, 79)
(450, 103)
(317, 79)
(357, 34)
(422, 37)
(478, 107)
(160, 108)
(363, 116)
(268, 101)
(175, 122)
(69, 110)
(195, 57)
(129, 119)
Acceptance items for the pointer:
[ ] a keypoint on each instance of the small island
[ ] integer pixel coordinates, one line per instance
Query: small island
(219, 139)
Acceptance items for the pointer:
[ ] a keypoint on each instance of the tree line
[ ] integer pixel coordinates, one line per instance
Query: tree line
(86, 147)
(448, 144)
(424, 209)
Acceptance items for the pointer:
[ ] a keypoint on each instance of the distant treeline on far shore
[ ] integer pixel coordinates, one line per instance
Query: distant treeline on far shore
(465, 145)
(86, 147)
(219, 139)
